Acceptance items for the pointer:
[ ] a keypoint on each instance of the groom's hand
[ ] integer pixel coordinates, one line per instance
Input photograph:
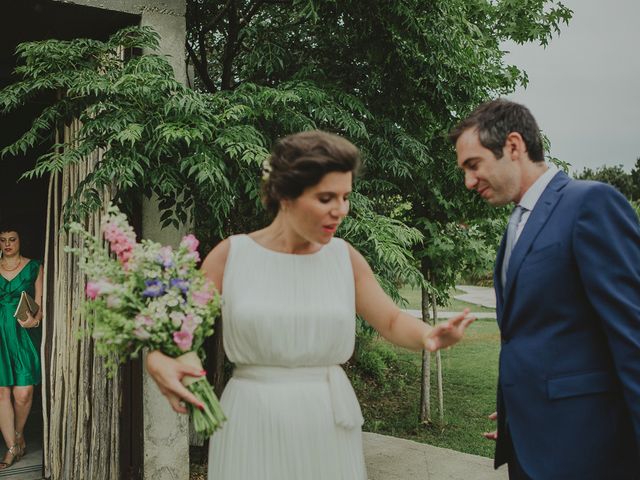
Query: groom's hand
(492, 435)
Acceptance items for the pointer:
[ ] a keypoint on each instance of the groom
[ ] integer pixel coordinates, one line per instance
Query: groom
(567, 282)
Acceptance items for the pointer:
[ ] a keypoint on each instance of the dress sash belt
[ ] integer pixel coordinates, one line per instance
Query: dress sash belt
(346, 409)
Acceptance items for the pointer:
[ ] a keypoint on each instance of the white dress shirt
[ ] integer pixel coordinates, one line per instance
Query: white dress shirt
(532, 195)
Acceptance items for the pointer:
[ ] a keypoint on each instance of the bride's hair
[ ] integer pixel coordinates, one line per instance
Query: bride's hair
(300, 161)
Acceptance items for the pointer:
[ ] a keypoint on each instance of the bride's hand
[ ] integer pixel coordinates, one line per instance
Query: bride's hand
(447, 333)
(168, 373)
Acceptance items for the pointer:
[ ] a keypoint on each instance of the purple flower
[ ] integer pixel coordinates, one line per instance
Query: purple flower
(165, 257)
(181, 284)
(155, 288)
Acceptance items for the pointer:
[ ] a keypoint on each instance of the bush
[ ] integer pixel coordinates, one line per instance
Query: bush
(373, 358)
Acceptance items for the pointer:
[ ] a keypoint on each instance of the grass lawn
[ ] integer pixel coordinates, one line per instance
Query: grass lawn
(414, 298)
(391, 404)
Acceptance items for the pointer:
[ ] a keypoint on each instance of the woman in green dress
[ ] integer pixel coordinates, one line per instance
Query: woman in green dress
(19, 342)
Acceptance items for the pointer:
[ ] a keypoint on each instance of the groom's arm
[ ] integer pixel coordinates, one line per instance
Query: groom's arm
(606, 243)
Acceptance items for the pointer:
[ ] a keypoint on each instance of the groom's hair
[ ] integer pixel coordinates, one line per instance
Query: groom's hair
(495, 120)
(300, 161)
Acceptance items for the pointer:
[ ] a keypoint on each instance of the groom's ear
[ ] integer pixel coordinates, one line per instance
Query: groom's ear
(515, 147)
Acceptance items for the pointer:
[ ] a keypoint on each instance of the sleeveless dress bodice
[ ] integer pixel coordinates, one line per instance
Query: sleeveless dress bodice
(289, 322)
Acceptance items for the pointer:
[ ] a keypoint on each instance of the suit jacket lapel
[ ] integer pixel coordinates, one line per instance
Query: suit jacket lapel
(537, 218)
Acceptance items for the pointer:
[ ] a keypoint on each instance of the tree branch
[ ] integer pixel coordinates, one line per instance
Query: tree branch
(251, 11)
(201, 66)
(217, 17)
(230, 49)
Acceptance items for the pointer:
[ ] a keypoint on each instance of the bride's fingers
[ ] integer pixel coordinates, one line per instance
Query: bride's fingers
(177, 394)
(468, 321)
(459, 317)
(178, 389)
(176, 404)
(191, 371)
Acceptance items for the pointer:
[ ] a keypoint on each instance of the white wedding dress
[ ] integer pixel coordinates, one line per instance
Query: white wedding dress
(289, 322)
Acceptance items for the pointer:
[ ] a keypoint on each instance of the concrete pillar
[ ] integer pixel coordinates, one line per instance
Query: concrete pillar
(166, 433)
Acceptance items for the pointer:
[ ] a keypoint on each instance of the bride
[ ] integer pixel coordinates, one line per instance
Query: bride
(291, 292)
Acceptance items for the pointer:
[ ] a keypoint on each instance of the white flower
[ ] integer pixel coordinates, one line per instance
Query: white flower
(266, 169)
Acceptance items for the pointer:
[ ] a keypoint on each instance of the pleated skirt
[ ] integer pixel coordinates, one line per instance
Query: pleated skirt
(283, 430)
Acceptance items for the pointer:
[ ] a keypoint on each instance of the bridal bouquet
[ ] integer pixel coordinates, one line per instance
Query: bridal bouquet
(145, 295)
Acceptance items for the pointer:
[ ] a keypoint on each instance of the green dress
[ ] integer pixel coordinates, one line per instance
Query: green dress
(19, 347)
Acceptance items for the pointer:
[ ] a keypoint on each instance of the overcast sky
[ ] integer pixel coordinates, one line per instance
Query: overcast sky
(584, 88)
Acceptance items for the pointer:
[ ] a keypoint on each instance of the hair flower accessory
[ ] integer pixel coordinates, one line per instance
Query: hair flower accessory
(266, 169)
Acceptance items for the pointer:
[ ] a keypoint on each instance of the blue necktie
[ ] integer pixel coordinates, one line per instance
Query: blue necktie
(514, 220)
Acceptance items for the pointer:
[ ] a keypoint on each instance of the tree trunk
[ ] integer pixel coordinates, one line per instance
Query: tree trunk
(217, 378)
(425, 387)
(438, 365)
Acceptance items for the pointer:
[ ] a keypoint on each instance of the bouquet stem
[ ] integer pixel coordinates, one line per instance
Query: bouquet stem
(211, 417)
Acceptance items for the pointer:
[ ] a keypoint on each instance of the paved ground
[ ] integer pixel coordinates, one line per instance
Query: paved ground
(445, 315)
(482, 296)
(390, 458)
(30, 466)
(478, 295)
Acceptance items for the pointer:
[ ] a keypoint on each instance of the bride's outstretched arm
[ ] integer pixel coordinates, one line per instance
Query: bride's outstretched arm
(375, 306)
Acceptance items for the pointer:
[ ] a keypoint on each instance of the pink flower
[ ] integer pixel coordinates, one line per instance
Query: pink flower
(191, 242)
(93, 290)
(121, 239)
(100, 287)
(183, 339)
(190, 322)
(141, 333)
(125, 256)
(202, 297)
(113, 301)
(144, 321)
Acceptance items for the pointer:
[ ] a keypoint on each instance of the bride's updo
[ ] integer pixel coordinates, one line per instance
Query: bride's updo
(300, 161)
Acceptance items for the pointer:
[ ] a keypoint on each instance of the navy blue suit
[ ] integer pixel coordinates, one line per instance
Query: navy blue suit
(569, 317)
